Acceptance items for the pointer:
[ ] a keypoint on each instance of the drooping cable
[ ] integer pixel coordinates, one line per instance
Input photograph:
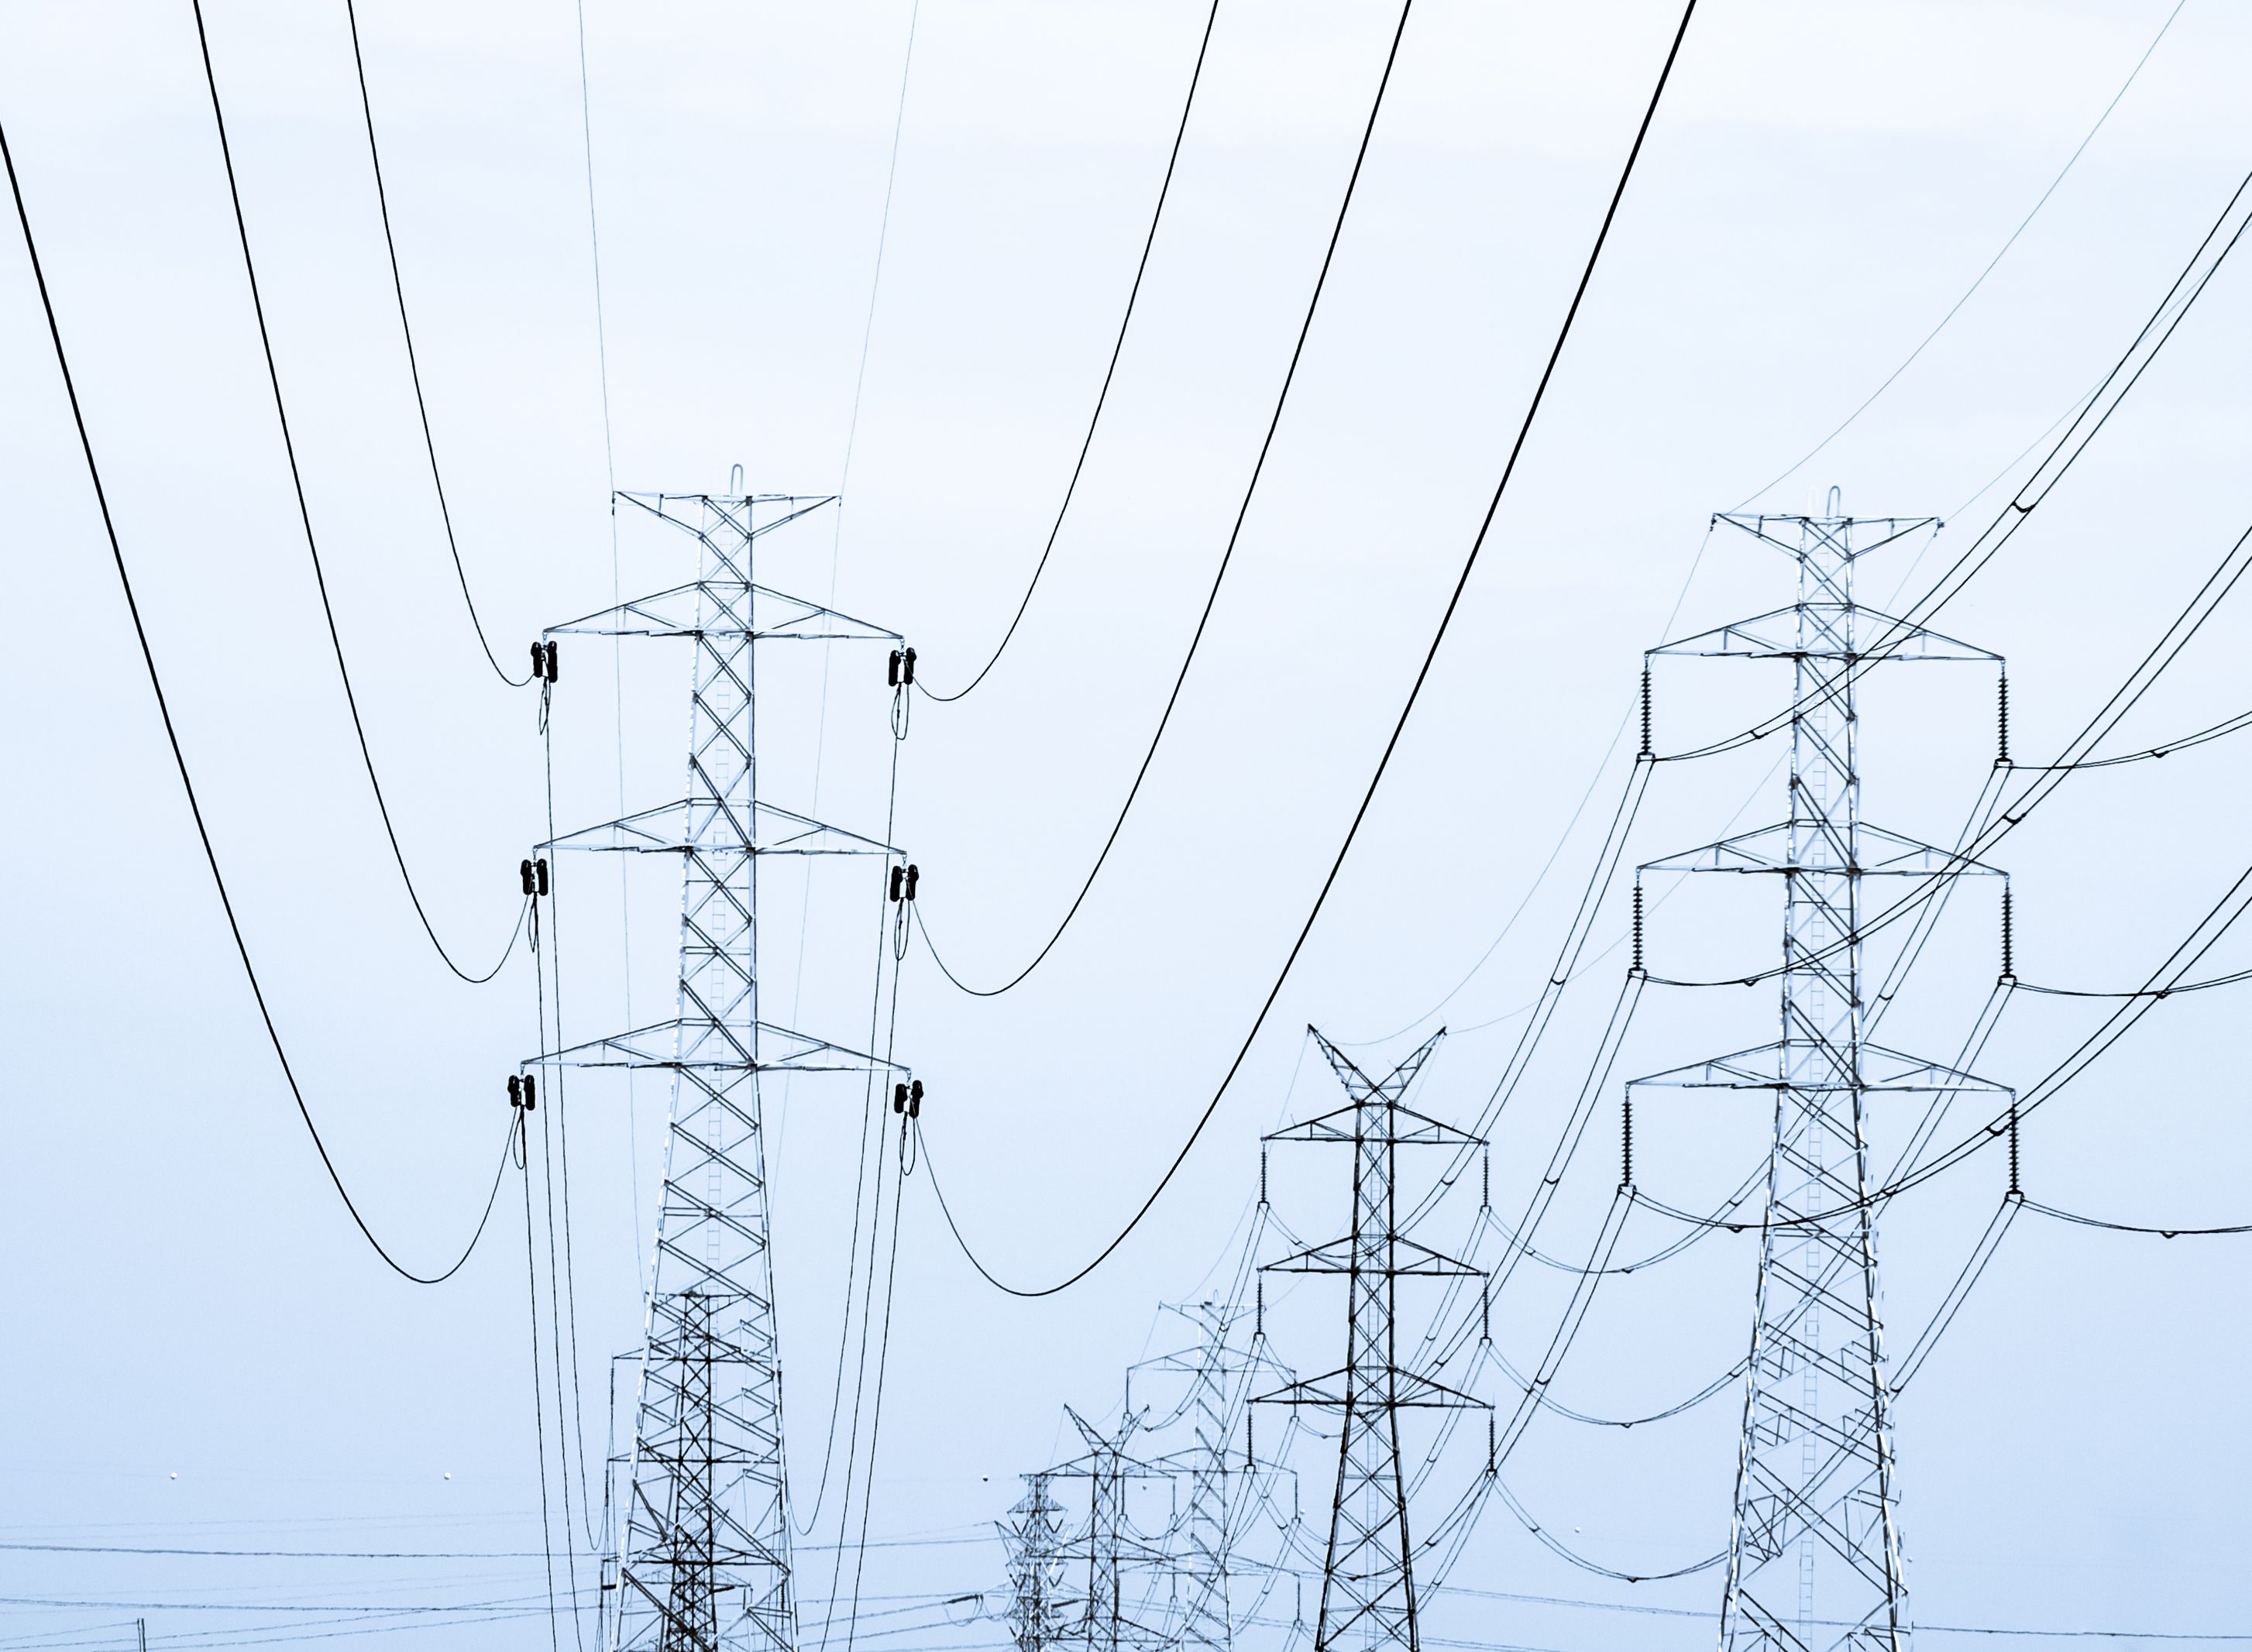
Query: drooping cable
(1110, 373)
(909, 1132)
(558, 1099)
(305, 516)
(1406, 710)
(187, 782)
(871, 1109)
(1227, 554)
(414, 365)
(2024, 224)
(565, 1427)
(2130, 1228)
(539, 1395)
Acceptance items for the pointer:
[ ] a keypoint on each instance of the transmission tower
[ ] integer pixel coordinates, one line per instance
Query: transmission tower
(1816, 1508)
(703, 1557)
(1110, 1544)
(1368, 1581)
(1218, 1377)
(1033, 1538)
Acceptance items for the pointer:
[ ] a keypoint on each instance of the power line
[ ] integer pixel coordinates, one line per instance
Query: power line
(187, 782)
(1110, 373)
(305, 516)
(1228, 555)
(1406, 709)
(2149, 342)
(414, 366)
(2023, 224)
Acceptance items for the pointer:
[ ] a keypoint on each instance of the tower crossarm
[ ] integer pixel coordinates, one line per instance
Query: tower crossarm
(704, 826)
(693, 1043)
(701, 514)
(725, 608)
(1780, 848)
(1763, 1068)
(1833, 540)
(1844, 633)
(1404, 1127)
(1409, 1260)
(1329, 1392)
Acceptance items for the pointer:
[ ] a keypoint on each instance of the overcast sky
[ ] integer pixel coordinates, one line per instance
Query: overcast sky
(203, 1353)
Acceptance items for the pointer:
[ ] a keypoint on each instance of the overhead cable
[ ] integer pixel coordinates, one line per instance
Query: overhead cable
(1406, 709)
(187, 782)
(305, 516)
(2024, 224)
(1110, 373)
(414, 366)
(1227, 554)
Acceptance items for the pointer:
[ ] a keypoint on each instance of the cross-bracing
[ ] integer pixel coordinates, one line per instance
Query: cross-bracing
(702, 1559)
(1815, 1556)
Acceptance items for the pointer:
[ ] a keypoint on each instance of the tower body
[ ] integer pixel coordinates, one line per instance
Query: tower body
(1816, 1472)
(1205, 1623)
(1217, 1376)
(1035, 1544)
(702, 1559)
(1110, 1546)
(1815, 1554)
(1368, 1579)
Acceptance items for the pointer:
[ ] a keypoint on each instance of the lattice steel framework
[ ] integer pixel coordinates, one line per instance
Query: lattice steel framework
(1816, 1481)
(1218, 1375)
(1039, 1607)
(1110, 1544)
(703, 1560)
(1368, 1581)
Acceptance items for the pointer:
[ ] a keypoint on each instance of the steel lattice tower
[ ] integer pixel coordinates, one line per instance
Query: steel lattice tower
(1368, 1582)
(1815, 1483)
(703, 1560)
(1033, 1536)
(1110, 1544)
(1218, 1375)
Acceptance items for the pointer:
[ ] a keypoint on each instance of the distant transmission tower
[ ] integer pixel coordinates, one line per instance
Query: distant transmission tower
(1816, 1479)
(1034, 1540)
(703, 1560)
(1110, 1544)
(1368, 1581)
(1218, 1374)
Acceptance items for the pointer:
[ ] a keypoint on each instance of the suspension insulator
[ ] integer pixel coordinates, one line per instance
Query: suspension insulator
(549, 670)
(516, 1090)
(539, 661)
(907, 665)
(531, 1093)
(899, 880)
(914, 1100)
(898, 1098)
(524, 872)
(891, 670)
(914, 872)
(539, 873)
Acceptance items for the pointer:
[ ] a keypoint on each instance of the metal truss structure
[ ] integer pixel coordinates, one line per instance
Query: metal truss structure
(1218, 1375)
(1816, 1515)
(1368, 1582)
(1110, 1544)
(703, 1560)
(1033, 1538)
